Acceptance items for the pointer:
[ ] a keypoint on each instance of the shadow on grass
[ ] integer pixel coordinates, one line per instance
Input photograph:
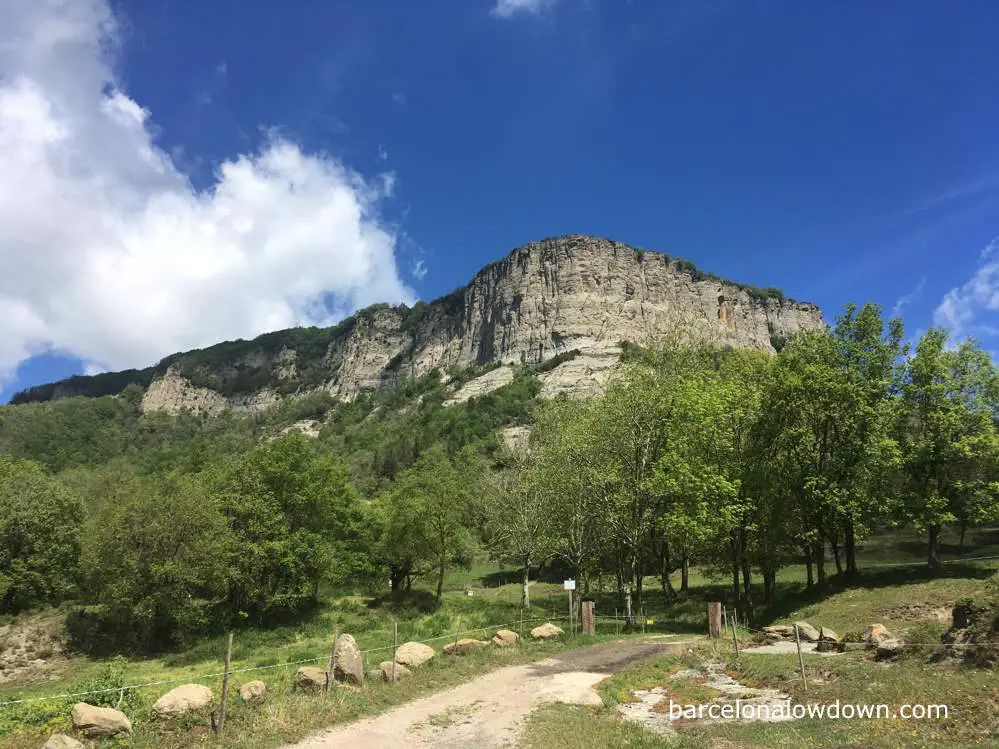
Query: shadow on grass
(406, 603)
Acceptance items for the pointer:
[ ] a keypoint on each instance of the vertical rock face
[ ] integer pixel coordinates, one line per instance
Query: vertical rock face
(579, 292)
(543, 299)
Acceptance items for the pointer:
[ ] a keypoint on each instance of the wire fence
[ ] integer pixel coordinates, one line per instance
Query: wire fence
(322, 658)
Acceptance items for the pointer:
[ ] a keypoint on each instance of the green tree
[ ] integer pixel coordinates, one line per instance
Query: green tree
(949, 441)
(153, 560)
(520, 519)
(295, 523)
(432, 504)
(39, 537)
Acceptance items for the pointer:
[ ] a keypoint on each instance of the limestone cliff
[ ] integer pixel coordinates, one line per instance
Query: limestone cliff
(543, 299)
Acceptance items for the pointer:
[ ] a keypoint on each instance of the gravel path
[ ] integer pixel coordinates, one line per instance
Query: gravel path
(488, 712)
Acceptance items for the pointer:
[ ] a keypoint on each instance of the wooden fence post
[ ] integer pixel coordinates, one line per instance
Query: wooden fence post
(735, 640)
(588, 618)
(801, 661)
(457, 630)
(225, 686)
(714, 619)
(395, 646)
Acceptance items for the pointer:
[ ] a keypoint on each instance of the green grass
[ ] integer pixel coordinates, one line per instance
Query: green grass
(902, 598)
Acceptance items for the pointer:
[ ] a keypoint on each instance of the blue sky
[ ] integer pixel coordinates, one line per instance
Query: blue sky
(838, 151)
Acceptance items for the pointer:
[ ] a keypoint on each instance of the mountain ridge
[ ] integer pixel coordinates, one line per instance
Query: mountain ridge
(543, 299)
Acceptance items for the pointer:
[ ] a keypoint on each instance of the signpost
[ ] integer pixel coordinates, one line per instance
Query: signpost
(570, 585)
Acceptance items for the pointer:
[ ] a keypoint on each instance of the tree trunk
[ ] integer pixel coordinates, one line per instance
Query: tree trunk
(839, 564)
(684, 574)
(808, 565)
(769, 585)
(665, 572)
(747, 588)
(638, 583)
(820, 562)
(525, 595)
(440, 580)
(735, 567)
(850, 541)
(933, 548)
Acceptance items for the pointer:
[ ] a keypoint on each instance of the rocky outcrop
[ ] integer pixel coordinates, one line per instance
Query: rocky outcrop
(182, 700)
(547, 631)
(310, 679)
(61, 741)
(414, 654)
(392, 672)
(542, 300)
(173, 393)
(348, 666)
(504, 638)
(807, 632)
(482, 385)
(464, 647)
(100, 722)
(253, 692)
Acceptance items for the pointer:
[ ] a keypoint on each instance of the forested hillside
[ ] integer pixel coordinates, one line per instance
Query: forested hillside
(159, 528)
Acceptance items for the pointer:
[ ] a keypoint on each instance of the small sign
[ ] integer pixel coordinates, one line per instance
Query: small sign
(650, 622)
(569, 585)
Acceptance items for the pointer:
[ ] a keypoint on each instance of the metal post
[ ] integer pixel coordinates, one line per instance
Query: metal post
(643, 620)
(617, 624)
(724, 614)
(801, 661)
(520, 632)
(225, 686)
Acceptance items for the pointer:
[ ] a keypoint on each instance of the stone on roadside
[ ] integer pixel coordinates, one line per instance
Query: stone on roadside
(348, 666)
(252, 692)
(385, 671)
(806, 632)
(505, 638)
(61, 741)
(888, 649)
(546, 631)
(829, 642)
(875, 635)
(464, 647)
(779, 632)
(413, 654)
(310, 679)
(182, 700)
(100, 722)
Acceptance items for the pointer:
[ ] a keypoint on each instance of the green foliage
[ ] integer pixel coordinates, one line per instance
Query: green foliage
(549, 364)
(153, 560)
(294, 522)
(427, 516)
(948, 432)
(39, 537)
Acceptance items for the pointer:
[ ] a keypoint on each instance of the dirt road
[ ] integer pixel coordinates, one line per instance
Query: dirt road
(488, 712)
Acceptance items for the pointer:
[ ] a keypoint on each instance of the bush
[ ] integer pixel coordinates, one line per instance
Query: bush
(923, 639)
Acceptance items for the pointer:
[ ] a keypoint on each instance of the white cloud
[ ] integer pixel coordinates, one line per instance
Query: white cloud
(399, 99)
(906, 299)
(511, 8)
(419, 269)
(382, 152)
(108, 253)
(964, 309)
